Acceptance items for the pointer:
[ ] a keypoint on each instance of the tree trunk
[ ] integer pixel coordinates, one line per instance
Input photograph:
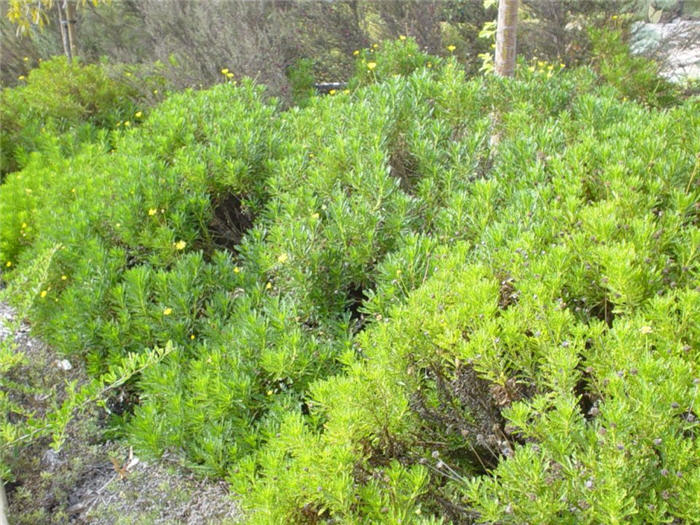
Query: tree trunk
(71, 20)
(64, 33)
(4, 512)
(506, 31)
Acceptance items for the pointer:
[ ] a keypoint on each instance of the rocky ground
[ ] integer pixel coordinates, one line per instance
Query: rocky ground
(92, 479)
(676, 46)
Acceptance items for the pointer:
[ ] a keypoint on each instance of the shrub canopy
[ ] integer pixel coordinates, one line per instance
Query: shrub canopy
(377, 315)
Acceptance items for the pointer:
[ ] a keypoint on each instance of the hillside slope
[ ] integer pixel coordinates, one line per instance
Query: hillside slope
(376, 316)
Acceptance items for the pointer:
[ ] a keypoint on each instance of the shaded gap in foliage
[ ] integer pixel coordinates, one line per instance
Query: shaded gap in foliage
(231, 220)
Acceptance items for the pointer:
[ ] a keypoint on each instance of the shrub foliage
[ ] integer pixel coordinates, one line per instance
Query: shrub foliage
(376, 315)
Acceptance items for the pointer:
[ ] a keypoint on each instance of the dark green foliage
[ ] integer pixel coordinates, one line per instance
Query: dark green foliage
(377, 316)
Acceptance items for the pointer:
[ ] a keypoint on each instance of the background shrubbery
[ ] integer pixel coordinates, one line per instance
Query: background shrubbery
(265, 40)
(377, 315)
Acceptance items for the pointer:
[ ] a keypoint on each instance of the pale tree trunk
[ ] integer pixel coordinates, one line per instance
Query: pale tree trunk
(3, 505)
(64, 33)
(71, 21)
(506, 31)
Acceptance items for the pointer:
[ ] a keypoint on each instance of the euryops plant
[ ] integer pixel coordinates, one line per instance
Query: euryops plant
(376, 317)
(61, 104)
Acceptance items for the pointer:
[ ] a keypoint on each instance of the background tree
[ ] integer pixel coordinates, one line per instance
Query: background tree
(506, 31)
(27, 13)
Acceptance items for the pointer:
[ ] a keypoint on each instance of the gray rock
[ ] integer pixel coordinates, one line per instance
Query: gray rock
(675, 45)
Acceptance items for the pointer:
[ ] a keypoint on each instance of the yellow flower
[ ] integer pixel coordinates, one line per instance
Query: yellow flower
(268, 286)
(180, 245)
(8, 263)
(26, 59)
(282, 258)
(127, 124)
(371, 65)
(375, 46)
(155, 91)
(138, 114)
(402, 37)
(550, 66)
(346, 91)
(167, 311)
(118, 225)
(451, 48)
(562, 65)
(24, 225)
(332, 92)
(229, 75)
(224, 71)
(236, 270)
(429, 64)
(43, 293)
(315, 215)
(21, 77)
(119, 123)
(531, 69)
(269, 392)
(192, 336)
(355, 53)
(645, 330)
(152, 211)
(63, 277)
(127, 74)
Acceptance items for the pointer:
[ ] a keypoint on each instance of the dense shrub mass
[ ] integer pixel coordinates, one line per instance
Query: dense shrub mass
(63, 104)
(382, 314)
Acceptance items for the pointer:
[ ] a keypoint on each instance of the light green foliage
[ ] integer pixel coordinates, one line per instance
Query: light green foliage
(382, 61)
(301, 81)
(376, 316)
(583, 220)
(60, 103)
(634, 77)
(24, 425)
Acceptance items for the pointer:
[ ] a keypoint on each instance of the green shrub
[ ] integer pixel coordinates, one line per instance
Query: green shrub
(524, 373)
(301, 81)
(397, 57)
(635, 77)
(66, 103)
(376, 316)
